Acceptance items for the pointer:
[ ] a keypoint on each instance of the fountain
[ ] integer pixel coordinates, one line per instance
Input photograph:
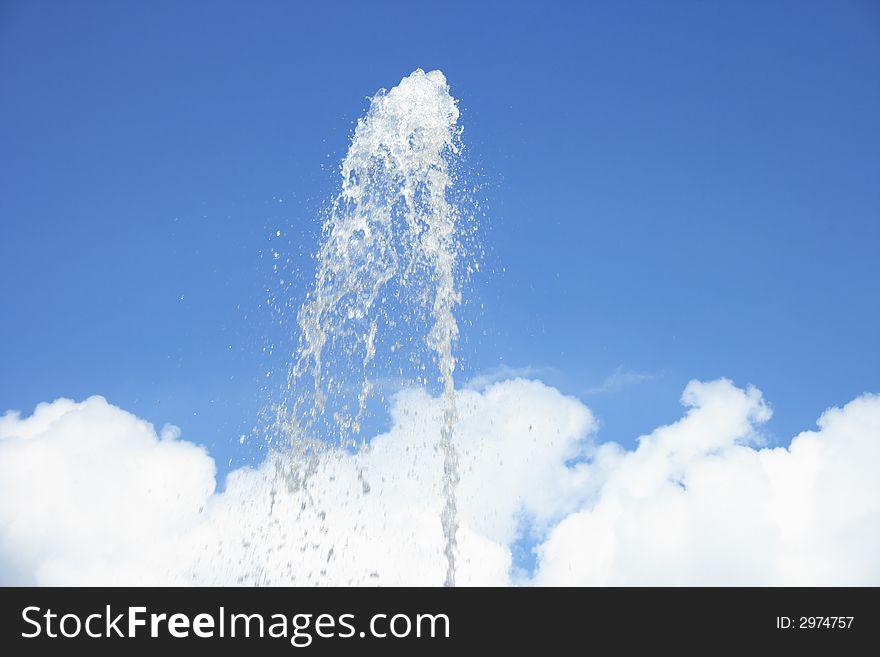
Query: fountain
(384, 296)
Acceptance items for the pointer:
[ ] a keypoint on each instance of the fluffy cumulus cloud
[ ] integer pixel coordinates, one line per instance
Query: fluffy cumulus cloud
(696, 503)
(91, 494)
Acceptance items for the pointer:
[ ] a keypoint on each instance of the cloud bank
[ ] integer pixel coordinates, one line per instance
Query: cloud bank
(91, 494)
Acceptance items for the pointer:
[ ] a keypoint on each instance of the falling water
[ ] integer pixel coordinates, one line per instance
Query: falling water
(385, 289)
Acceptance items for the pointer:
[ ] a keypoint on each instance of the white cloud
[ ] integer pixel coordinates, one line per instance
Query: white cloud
(484, 379)
(620, 378)
(91, 494)
(695, 504)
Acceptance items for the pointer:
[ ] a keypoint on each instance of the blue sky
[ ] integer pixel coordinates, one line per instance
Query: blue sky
(674, 191)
